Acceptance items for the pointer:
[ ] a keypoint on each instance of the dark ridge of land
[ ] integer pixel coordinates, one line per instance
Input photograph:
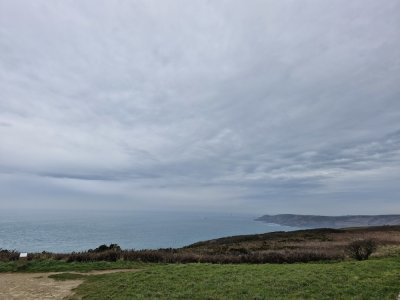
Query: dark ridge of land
(317, 237)
(314, 221)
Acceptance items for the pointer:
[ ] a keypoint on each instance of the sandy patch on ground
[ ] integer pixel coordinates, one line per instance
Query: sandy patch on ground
(39, 286)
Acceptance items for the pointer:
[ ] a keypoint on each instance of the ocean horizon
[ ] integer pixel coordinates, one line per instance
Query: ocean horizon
(68, 231)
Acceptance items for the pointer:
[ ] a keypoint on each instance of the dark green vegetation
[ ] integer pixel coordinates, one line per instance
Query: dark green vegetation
(372, 279)
(68, 276)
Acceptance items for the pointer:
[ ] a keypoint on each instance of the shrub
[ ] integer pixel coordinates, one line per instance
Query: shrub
(8, 255)
(361, 249)
(103, 248)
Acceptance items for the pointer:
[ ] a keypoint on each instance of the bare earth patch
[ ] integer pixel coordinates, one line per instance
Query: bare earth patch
(40, 286)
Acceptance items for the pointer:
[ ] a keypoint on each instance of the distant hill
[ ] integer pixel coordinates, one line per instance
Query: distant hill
(313, 221)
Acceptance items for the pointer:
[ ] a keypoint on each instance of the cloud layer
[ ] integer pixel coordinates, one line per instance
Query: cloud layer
(271, 106)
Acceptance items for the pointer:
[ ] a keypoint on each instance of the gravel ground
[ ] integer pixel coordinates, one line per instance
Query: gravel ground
(40, 286)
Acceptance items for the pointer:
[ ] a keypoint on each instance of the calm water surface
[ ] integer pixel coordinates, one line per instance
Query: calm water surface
(75, 231)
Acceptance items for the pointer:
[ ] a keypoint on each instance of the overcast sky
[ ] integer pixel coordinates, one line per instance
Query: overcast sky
(241, 106)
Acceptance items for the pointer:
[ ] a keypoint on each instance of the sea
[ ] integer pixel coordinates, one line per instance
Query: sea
(68, 231)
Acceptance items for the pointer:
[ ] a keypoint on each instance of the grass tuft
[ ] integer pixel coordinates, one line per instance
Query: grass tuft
(68, 276)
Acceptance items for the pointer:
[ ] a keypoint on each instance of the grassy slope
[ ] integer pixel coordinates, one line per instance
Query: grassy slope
(373, 279)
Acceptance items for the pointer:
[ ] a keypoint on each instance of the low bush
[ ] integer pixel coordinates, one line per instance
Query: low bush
(361, 249)
(104, 248)
(8, 255)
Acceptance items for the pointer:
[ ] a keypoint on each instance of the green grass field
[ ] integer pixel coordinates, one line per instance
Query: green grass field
(372, 279)
(63, 266)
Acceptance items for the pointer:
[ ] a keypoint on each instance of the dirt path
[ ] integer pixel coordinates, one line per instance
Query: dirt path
(39, 286)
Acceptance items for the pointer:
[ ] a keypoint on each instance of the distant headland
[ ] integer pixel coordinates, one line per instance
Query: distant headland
(315, 221)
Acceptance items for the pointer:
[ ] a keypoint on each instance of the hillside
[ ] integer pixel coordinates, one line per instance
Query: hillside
(301, 245)
(314, 221)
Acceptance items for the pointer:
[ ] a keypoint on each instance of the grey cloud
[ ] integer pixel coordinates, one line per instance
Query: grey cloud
(5, 124)
(256, 105)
